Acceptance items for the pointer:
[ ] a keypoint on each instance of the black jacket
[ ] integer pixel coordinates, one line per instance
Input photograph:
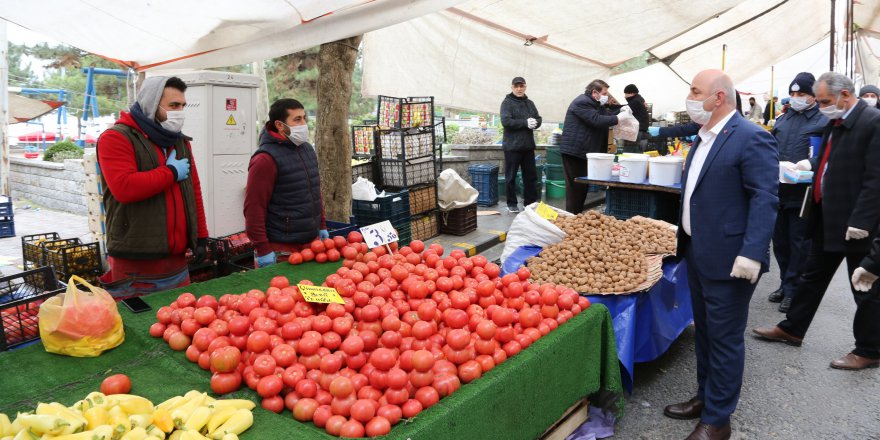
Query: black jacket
(871, 263)
(639, 110)
(586, 127)
(851, 197)
(793, 130)
(515, 113)
(680, 130)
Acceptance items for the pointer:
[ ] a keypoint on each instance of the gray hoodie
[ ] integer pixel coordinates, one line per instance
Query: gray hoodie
(150, 94)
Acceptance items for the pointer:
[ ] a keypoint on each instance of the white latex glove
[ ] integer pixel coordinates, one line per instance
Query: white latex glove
(862, 279)
(532, 122)
(786, 165)
(746, 268)
(804, 165)
(855, 234)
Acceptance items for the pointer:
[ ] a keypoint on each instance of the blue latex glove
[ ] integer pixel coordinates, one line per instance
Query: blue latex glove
(266, 260)
(654, 131)
(179, 166)
(322, 234)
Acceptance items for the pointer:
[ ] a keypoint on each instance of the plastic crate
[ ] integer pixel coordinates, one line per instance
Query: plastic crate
(32, 249)
(5, 207)
(404, 232)
(206, 270)
(200, 274)
(425, 226)
(7, 227)
(82, 259)
(234, 246)
(422, 198)
(625, 203)
(394, 207)
(395, 173)
(229, 267)
(414, 111)
(341, 228)
(459, 221)
(362, 140)
(20, 298)
(364, 170)
(484, 177)
(403, 145)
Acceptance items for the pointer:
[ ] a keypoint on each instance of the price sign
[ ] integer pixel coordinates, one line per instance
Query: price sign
(319, 294)
(545, 211)
(379, 234)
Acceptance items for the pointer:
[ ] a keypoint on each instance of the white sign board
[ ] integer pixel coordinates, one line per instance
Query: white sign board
(379, 234)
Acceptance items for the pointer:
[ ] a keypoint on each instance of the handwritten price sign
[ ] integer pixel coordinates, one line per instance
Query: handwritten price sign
(319, 294)
(545, 211)
(379, 234)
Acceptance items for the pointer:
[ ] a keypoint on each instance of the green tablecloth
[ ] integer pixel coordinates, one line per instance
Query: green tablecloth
(518, 399)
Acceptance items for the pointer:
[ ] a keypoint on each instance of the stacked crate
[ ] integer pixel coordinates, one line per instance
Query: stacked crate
(68, 256)
(394, 207)
(94, 188)
(7, 222)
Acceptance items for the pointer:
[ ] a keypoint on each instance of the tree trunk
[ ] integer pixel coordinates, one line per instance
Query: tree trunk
(336, 62)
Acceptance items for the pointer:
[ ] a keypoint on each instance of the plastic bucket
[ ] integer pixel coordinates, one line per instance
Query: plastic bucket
(554, 172)
(665, 170)
(502, 187)
(554, 157)
(555, 189)
(633, 168)
(599, 165)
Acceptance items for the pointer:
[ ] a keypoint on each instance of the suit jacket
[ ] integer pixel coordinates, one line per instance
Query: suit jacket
(852, 181)
(734, 202)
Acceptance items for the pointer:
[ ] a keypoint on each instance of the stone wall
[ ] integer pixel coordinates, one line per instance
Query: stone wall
(467, 155)
(58, 186)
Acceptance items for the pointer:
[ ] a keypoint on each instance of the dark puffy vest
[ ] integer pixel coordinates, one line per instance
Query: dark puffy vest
(294, 212)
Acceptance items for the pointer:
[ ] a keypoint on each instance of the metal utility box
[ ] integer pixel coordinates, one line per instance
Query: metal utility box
(221, 118)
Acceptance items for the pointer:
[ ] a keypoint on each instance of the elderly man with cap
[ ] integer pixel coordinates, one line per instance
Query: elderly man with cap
(793, 131)
(152, 195)
(869, 94)
(520, 118)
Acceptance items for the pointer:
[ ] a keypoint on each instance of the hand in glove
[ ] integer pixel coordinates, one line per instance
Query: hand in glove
(532, 123)
(862, 279)
(624, 115)
(786, 165)
(804, 165)
(266, 260)
(654, 131)
(855, 234)
(201, 251)
(178, 167)
(323, 234)
(746, 268)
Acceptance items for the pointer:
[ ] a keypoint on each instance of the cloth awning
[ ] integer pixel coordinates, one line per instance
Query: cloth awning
(23, 109)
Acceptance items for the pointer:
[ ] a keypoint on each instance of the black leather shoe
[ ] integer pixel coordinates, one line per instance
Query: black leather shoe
(685, 410)
(704, 431)
(785, 305)
(776, 295)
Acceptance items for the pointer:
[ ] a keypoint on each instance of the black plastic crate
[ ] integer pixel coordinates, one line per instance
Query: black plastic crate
(20, 298)
(424, 226)
(364, 170)
(484, 178)
(229, 267)
(234, 245)
(624, 203)
(406, 173)
(202, 273)
(394, 206)
(341, 228)
(212, 254)
(7, 227)
(81, 259)
(32, 249)
(5, 207)
(414, 111)
(459, 221)
(403, 145)
(362, 140)
(440, 129)
(422, 198)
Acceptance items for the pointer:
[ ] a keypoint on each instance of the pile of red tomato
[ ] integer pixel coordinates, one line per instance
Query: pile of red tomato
(415, 326)
(330, 249)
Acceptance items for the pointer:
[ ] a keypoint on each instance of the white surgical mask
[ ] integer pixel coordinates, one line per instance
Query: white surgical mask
(603, 99)
(800, 103)
(173, 120)
(832, 112)
(872, 102)
(299, 134)
(696, 112)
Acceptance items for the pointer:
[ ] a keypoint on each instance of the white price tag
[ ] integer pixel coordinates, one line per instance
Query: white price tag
(379, 234)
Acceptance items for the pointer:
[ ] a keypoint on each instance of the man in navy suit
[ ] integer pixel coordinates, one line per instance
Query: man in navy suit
(729, 203)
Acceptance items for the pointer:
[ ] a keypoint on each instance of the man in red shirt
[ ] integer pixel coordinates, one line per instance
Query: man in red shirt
(152, 194)
(282, 204)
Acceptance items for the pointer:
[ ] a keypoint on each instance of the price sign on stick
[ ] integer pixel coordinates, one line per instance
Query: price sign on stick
(319, 294)
(379, 234)
(545, 211)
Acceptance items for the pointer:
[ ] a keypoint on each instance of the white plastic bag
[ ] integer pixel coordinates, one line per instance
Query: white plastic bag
(363, 189)
(529, 228)
(627, 128)
(454, 192)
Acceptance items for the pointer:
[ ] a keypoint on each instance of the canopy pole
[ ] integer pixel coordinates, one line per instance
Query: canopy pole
(4, 112)
(831, 39)
(723, 55)
(772, 104)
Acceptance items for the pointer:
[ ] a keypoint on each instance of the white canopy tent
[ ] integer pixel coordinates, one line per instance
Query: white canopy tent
(866, 15)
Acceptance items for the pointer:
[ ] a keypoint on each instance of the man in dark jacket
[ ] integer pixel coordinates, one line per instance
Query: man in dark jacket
(866, 274)
(640, 111)
(282, 204)
(793, 131)
(586, 131)
(770, 112)
(520, 118)
(869, 94)
(845, 212)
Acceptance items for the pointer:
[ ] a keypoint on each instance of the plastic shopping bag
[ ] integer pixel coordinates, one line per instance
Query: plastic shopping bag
(363, 189)
(80, 323)
(529, 228)
(627, 128)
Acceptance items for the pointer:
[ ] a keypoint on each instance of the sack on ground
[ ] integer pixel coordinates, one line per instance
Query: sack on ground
(454, 192)
(529, 228)
(80, 323)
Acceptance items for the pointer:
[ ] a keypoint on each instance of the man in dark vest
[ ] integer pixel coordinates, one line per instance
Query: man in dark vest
(282, 202)
(152, 195)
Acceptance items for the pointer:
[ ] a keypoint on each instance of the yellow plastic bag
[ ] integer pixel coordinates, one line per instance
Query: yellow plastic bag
(80, 323)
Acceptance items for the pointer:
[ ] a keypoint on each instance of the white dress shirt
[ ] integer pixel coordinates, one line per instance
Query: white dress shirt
(707, 138)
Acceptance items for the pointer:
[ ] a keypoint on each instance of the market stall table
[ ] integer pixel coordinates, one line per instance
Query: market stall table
(518, 399)
(624, 200)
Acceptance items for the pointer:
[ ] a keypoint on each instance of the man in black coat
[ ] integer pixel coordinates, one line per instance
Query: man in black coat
(844, 213)
(866, 274)
(640, 111)
(520, 118)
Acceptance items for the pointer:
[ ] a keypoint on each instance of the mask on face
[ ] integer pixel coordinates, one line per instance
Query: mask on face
(696, 112)
(173, 120)
(299, 134)
(872, 102)
(800, 103)
(832, 112)
(603, 99)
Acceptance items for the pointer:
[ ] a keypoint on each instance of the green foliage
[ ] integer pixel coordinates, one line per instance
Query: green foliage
(452, 130)
(65, 149)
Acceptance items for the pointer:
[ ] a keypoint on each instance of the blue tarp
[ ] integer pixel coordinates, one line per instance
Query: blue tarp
(645, 324)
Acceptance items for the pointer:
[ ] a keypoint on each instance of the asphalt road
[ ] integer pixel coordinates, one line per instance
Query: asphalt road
(788, 392)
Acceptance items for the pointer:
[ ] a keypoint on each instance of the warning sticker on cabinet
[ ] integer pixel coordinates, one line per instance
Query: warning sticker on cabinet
(230, 121)
(231, 104)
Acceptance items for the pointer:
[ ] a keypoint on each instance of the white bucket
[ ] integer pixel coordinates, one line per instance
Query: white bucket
(666, 170)
(633, 168)
(599, 166)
